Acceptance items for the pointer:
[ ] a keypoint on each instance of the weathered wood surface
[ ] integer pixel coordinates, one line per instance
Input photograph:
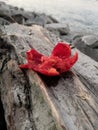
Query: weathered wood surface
(36, 102)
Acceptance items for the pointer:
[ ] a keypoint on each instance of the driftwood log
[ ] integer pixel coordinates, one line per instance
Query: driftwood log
(35, 102)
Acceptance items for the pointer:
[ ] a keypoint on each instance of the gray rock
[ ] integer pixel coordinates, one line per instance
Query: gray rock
(91, 41)
(19, 15)
(14, 14)
(25, 14)
(4, 8)
(16, 8)
(40, 19)
(19, 18)
(66, 38)
(6, 17)
(62, 28)
(4, 22)
(47, 19)
(53, 19)
(80, 44)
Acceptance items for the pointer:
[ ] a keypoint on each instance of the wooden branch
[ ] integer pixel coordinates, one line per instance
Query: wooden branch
(37, 102)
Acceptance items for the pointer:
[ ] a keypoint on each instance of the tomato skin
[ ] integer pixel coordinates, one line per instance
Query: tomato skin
(58, 62)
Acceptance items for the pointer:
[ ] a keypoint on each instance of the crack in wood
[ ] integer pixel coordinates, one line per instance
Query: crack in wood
(86, 115)
(87, 84)
(3, 64)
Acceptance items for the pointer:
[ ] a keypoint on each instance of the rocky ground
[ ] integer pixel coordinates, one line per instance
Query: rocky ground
(87, 43)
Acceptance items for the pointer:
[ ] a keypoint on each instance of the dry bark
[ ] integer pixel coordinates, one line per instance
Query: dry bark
(36, 102)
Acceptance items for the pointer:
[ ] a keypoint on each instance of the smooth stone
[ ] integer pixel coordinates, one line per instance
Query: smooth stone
(91, 40)
(84, 48)
(62, 28)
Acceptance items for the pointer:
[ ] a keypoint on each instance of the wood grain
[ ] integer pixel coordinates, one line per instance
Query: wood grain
(36, 102)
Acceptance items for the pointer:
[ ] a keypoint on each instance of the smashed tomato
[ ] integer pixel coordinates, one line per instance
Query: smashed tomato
(58, 62)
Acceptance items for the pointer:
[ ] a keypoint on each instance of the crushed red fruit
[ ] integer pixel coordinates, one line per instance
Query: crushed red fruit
(58, 62)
